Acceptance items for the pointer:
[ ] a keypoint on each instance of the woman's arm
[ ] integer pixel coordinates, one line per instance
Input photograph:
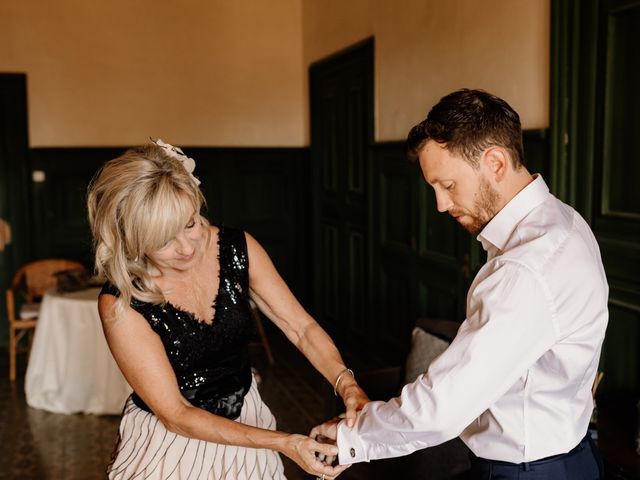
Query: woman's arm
(144, 363)
(276, 301)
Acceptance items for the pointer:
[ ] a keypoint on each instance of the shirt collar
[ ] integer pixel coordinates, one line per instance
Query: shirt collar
(498, 231)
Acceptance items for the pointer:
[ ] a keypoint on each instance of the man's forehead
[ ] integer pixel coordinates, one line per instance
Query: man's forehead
(433, 150)
(434, 160)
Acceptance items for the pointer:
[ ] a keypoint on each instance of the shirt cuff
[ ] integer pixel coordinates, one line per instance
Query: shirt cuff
(350, 447)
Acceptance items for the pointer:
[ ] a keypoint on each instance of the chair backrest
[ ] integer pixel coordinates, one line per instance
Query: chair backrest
(443, 329)
(429, 338)
(38, 276)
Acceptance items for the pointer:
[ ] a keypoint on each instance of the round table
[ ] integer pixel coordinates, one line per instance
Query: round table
(70, 367)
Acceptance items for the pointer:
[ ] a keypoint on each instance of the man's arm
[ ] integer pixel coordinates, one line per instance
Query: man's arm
(509, 327)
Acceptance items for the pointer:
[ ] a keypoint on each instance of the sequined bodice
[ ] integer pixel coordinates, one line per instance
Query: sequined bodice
(210, 361)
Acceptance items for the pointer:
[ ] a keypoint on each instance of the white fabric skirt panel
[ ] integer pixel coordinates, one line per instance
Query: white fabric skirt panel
(146, 450)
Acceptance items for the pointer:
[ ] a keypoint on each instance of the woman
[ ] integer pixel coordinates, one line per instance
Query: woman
(175, 312)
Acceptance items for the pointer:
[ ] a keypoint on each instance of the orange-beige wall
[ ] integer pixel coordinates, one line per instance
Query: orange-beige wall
(226, 73)
(425, 49)
(193, 72)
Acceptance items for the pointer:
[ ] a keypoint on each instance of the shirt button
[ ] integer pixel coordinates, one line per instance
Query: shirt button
(352, 452)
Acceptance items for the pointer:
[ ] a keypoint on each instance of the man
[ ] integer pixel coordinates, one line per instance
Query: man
(515, 384)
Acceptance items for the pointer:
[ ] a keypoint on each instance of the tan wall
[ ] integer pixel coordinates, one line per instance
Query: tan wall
(221, 72)
(194, 72)
(426, 48)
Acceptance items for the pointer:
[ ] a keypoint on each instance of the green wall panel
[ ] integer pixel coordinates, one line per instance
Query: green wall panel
(620, 356)
(14, 186)
(341, 94)
(261, 190)
(594, 153)
(423, 261)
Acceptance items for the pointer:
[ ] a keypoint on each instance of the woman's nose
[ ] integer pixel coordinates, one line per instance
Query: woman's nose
(183, 246)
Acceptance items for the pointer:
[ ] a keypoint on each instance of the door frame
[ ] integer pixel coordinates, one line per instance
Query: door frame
(360, 57)
(15, 206)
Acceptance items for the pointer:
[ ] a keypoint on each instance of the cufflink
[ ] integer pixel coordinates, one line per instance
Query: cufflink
(352, 452)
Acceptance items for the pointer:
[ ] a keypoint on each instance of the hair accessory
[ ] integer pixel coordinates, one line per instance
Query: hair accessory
(188, 163)
(340, 375)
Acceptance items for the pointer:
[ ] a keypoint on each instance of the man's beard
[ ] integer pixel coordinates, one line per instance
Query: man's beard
(485, 208)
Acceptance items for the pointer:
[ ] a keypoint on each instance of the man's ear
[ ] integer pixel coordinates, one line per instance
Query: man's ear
(496, 161)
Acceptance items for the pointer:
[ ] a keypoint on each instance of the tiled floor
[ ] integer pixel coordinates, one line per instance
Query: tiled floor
(37, 445)
(42, 445)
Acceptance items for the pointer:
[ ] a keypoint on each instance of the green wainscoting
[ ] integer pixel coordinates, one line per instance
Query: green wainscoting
(423, 261)
(263, 190)
(418, 253)
(595, 150)
(14, 172)
(58, 215)
(266, 192)
(341, 90)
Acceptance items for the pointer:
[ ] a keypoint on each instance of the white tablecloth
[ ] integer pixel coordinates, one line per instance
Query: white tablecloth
(70, 368)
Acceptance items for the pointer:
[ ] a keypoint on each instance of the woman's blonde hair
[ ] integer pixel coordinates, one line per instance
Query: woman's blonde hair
(137, 203)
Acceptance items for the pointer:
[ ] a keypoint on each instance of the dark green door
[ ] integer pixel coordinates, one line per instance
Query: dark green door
(341, 89)
(595, 140)
(14, 181)
(424, 259)
(616, 181)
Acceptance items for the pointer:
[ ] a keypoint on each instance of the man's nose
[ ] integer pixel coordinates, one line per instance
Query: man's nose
(443, 202)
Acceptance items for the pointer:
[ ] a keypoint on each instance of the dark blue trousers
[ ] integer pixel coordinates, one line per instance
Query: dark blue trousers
(581, 463)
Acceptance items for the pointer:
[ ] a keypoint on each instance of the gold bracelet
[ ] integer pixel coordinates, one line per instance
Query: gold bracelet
(340, 375)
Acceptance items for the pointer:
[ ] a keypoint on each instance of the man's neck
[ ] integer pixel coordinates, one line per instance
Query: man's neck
(518, 180)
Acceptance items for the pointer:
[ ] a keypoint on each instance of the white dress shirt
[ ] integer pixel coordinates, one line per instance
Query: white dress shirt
(515, 384)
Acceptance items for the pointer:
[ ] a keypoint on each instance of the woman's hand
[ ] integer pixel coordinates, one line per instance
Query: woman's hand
(354, 398)
(307, 452)
(326, 432)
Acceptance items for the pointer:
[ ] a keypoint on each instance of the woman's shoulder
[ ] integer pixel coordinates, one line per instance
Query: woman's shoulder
(230, 236)
(109, 289)
(226, 230)
(237, 239)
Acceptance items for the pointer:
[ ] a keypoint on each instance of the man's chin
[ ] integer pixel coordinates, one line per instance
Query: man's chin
(474, 228)
(474, 232)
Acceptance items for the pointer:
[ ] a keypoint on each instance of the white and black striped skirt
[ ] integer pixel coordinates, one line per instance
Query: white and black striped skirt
(146, 450)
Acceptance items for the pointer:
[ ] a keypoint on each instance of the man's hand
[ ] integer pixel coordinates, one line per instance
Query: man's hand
(327, 433)
(311, 455)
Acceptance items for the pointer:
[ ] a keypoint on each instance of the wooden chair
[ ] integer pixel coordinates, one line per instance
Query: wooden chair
(29, 285)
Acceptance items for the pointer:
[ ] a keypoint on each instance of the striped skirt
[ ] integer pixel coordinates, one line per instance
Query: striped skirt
(146, 450)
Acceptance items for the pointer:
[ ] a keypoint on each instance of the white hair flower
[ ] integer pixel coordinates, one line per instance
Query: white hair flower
(188, 163)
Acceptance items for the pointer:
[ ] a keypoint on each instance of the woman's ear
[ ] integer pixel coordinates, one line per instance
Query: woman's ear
(496, 161)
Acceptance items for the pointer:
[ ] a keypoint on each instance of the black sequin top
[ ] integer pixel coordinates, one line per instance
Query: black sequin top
(210, 361)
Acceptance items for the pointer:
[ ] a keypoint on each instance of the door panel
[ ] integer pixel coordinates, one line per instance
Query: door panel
(423, 260)
(595, 142)
(341, 90)
(14, 182)
(417, 247)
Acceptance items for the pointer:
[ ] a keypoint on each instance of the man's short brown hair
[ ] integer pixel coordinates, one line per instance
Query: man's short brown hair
(468, 122)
